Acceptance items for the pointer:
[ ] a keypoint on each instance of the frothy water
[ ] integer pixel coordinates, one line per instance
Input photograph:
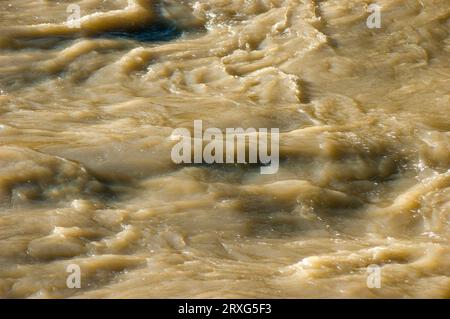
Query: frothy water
(87, 181)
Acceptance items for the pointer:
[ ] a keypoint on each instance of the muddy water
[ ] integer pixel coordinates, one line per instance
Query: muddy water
(86, 177)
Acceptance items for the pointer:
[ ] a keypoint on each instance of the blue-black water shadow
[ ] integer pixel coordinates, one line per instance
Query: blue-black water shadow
(152, 33)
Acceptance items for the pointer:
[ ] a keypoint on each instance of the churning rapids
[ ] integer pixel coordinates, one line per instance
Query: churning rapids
(86, 176)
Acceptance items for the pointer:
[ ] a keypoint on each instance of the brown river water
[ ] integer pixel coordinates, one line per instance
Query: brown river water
(88, 104)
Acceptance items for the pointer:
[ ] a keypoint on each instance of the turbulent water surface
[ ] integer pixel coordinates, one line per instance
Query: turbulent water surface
(86, 177)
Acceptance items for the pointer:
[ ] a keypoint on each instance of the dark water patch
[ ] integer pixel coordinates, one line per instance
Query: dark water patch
(159, 32)
(154, 33)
